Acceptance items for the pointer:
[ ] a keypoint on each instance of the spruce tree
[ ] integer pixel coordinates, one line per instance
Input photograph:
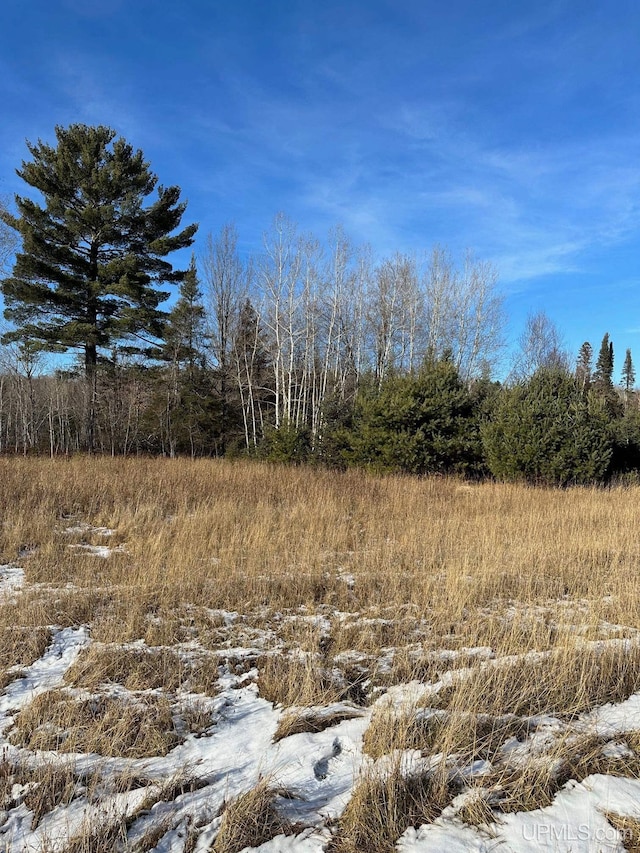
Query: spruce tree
(584, 365)
(603, 378)
(192, 410)
(92, 253)
(628, 373)
(549, 431)
(604, 365)
(423, 424)
(185, 331)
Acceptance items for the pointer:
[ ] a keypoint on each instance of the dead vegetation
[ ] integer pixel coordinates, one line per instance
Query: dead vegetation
(629, 829)
(505, 603)
(107, 726)
(529, 684)
(384, 804)
(143, 669)
(297, 680)
(251, 819)
(457, 732)
(41, 788)
(22, 646)
(298, 720)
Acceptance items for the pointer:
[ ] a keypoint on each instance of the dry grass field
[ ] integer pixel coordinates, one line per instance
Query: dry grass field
(209, 655)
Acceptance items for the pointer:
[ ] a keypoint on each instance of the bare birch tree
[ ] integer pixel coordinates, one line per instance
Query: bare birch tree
(539, 345)
(278, 275)
(464, 313)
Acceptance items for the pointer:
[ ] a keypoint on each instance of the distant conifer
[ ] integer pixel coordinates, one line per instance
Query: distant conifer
(584, 366)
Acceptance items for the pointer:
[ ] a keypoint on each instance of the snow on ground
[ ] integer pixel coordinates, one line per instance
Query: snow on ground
(97, 550)
(573, 823)
(314, 771)
(11, 579)
(83, 529)
(45, 674)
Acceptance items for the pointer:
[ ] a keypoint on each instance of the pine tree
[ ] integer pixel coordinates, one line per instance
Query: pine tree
(628, 373)
(548, 430)
(584, 365)
(92, 255)
(423, 424)
(604, 366)
(185, 333)
(192, 419)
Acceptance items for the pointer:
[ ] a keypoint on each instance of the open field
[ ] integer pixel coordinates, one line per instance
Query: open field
(217, 656)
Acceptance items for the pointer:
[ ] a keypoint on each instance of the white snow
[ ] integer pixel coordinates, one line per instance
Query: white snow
(98, 550)
(11, 580)
(83, 529)
(45, 674)
(314, 772)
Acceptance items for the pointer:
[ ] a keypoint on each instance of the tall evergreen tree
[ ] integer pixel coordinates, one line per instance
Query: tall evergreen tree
(226, 279)
(192, 415)
(93, 254)
(603, 378)
(185, 332)
(628, 373)
(584, 365)
(604, 365)
(252, 373)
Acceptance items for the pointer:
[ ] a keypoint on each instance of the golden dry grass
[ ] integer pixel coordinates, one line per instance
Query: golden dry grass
(338, 586)
(19, 647)
(99, 836)
(241, 535)
(455, 732)
(142, 669)
(298, 720)
(383, 806)
(249, 820)
(107, 726)
(295, 681)
(22, 646)
(629, 829)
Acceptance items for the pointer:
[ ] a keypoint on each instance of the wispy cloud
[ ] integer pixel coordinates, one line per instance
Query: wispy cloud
(512, 131)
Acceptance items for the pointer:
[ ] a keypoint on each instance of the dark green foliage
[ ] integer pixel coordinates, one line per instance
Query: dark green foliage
(418, 424)
(185, 331)
(288, 444)
(547, 430)
(484, 395)
(603, 378)
(192, 408)
(628, 373)
(626, 443)
(603, 375)
(93, 254)
(334, 440)
(584, 366)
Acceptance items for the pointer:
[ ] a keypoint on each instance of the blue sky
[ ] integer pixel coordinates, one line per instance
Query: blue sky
(512, 129)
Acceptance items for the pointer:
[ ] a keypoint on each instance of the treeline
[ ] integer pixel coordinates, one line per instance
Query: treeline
(256, 348)
(558, 425)
(306, 351)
